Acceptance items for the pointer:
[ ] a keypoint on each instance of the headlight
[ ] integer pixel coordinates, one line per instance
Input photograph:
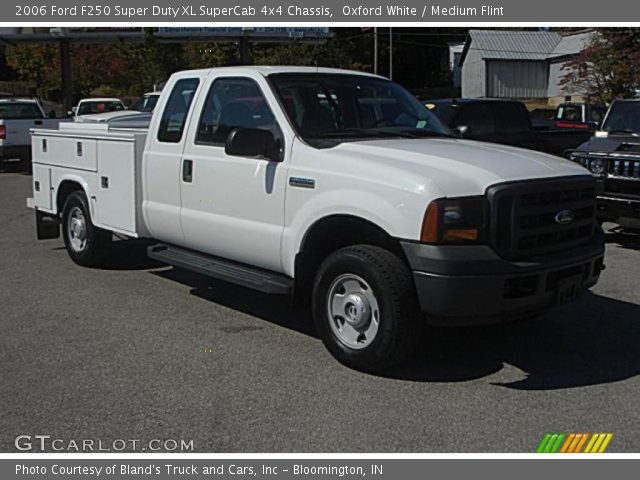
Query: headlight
(596, 166)
(455, 220)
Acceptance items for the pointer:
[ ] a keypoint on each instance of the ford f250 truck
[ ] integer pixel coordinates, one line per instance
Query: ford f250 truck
(337, 187)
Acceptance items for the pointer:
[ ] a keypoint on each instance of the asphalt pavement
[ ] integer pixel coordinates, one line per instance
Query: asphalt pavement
(144, 351)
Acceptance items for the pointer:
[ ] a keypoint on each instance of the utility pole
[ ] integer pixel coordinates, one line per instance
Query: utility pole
(375, 50)
(245, 48)
(65, 66)
(390, 53)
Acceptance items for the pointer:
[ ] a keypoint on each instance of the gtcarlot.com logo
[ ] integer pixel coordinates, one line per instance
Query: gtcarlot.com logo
(574, 443)
(46, 443)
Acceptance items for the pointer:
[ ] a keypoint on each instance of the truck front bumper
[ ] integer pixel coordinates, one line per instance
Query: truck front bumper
(614, 208)
(472, 285)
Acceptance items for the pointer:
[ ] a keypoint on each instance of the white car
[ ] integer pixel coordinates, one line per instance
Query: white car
(90, 106)
(337, 187)
(147, 102)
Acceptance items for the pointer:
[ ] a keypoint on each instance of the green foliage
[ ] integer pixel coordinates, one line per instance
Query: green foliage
(130, 68)
(39, 64)
(609, 67)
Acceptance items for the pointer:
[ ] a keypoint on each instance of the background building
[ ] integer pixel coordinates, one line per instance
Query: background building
(519, 64)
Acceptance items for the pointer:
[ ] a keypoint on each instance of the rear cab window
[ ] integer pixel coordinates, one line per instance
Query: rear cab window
(511, 118)
(569, 113)
(176, 110)
(19, 111)
(478, 117)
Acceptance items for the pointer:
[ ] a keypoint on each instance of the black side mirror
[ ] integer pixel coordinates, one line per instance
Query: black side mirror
(52, 114)
(253, 143)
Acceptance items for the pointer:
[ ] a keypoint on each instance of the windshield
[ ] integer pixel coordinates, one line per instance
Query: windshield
(624, 117)
(327, 109)
(146, 103)
(87, 108)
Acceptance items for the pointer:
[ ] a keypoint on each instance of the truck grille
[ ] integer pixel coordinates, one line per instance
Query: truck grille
(614, 166)
(526, 217)
(624, 168)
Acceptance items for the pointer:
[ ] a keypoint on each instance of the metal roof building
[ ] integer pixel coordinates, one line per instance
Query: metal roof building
(517, 64)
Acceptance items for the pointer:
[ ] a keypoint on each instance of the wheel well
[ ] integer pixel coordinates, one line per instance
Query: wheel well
(330, 234)
(65, 189)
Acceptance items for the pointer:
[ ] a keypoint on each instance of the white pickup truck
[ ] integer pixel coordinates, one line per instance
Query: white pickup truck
(17, 117)
(335, 186)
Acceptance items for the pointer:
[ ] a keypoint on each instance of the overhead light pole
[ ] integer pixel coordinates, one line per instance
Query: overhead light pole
(375, 50)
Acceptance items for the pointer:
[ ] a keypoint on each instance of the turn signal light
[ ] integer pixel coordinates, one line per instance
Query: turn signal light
(458, 220)
(430, 224)
(3, 132)
(468, 234)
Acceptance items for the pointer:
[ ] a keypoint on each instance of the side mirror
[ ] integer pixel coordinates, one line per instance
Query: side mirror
(52, 114)
(601, 134)
(253, 143)
(462, 130)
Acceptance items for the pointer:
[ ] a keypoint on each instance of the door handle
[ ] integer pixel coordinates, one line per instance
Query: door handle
(187, 171)
(38, 122)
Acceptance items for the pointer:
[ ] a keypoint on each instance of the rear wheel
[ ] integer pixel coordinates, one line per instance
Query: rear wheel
(86, 244)
(365, 308)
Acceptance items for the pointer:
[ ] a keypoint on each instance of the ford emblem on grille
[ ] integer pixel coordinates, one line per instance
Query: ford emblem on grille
(564, 217)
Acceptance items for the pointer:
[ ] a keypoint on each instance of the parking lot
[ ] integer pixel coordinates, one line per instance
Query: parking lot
(144, 351)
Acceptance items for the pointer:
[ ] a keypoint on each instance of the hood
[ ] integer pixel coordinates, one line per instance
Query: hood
(608, 144)
(460, 167)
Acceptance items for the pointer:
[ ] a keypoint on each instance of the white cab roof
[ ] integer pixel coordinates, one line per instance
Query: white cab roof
(270, 70)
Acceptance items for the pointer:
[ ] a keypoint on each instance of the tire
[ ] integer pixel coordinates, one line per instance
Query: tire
(362, 283)
(86, 244)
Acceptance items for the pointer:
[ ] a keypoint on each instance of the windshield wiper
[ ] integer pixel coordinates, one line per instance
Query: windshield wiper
(623, 132)
(362, 133)
(406, 132)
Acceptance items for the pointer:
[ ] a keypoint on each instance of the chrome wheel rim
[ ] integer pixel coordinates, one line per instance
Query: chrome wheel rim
(77, 229)
(353, 312)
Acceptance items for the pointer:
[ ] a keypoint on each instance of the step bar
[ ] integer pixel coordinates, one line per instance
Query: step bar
(222, 269)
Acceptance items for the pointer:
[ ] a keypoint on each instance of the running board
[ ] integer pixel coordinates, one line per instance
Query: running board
(221, 269)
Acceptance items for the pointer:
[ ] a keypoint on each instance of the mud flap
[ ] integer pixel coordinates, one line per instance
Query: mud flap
(47, 226)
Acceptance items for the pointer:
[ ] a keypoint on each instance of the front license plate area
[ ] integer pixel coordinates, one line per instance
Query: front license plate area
(569, 289)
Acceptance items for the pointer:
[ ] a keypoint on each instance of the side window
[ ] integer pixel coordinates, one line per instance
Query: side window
(479, 118)
(512, 118)
(233, 103)
(176, 110)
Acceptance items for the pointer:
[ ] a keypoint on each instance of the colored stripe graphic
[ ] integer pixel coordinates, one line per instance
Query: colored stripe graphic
(574, 442)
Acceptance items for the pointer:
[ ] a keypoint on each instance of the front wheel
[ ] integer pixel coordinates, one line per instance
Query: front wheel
(86, 244)
(365, 308)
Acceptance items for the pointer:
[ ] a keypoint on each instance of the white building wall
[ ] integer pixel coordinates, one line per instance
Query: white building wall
(473, 75)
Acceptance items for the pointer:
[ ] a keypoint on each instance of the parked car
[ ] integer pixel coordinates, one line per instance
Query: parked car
(613, 156)
(579, 115)
(17, 117)
(335, 186)
(89, 106)
(503, 121)
(147, 102)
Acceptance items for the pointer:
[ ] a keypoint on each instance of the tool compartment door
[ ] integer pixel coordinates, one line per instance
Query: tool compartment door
(116, 185)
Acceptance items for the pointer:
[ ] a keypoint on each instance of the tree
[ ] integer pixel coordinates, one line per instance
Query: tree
(608, 68)
(38, 64)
